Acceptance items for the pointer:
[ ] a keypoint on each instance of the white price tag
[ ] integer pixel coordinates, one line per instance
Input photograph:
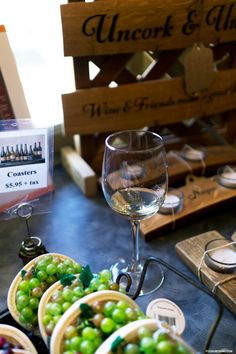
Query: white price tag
(167, 311)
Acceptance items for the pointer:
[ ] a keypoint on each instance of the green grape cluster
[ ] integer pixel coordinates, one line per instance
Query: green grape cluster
(45, 271)
(95, 324)
(62, 298)
(149, 342)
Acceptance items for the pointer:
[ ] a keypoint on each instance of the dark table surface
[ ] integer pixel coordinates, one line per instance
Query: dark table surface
(87, 230)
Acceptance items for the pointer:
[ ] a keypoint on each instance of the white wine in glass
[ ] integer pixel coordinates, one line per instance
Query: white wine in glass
(134, 182)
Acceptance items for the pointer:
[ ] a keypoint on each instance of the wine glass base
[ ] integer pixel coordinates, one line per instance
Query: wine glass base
(153, 279)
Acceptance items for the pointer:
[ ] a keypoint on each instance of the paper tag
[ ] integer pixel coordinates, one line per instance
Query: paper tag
(198, 64)
(167, 311)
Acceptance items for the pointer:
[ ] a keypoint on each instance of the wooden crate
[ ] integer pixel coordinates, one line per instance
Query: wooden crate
(114, 35)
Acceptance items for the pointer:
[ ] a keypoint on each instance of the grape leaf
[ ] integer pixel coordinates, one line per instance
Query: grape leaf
(22, 273)
(86, 310)
(66, 279)
(116, 343)
(86, 276)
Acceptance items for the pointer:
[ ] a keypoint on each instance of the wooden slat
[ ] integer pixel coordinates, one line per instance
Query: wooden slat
(145, 104)
(111, 69)
(80, 171)
(94, 28)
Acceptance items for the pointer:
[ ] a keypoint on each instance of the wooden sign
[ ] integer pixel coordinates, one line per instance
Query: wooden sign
(150, 103)
(109, 27)
(191, 252)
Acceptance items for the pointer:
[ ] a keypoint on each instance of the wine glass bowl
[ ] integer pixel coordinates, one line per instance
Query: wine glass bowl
(134, 182)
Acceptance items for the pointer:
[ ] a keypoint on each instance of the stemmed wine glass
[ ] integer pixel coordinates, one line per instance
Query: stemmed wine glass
(134, 183)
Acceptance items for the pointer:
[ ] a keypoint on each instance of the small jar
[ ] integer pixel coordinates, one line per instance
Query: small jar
(31, 248)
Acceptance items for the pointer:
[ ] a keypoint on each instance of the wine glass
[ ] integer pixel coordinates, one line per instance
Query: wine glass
(134, 183)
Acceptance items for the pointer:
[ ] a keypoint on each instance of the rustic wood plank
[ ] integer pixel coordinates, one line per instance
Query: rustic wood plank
(109, 27)
(191, 252)
(145, 104)
(199, 196)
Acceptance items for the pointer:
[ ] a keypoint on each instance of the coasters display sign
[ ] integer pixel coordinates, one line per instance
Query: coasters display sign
(25, 163)
(23, 160)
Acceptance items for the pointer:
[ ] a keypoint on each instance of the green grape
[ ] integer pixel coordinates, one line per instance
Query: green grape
(67, 294)
(66, 305)
(22, 300)
(24, 285)
(105, 275)
(131, 348)
(88, 291)
(119, 316)
(107, 325)
(68, 263)
(34, 283)
(22, 319)
(46, 319)
(61, 268)
(49, 328)
(34, 303)
(78, 291)
(19, 293)
(160, 335)
(56, 318)
(41, 265)
(56, 309)
(57, 297)
(94, 283)
(74, 299)
(51, 269)
(144, 332)
(27, 313)
(147, 344)
(108, 308)
(165, 347)
(102, 287)
(182, 349)
(48, 258)
(74, 343)
(51, 279)
(70, 270)
(123, 305)
(42, 275)
(67, 345)
(70, 332)
(78, 268)
(131, 314)
(89, 333)
(87, 347)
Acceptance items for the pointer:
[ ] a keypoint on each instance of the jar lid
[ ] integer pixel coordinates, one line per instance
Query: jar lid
(31, 242)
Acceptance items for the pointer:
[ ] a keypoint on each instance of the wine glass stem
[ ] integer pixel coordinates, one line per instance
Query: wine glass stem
(136, 257)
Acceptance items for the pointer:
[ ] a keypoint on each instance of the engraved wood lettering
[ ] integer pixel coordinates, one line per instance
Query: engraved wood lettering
(221, 18)
(94, 26)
